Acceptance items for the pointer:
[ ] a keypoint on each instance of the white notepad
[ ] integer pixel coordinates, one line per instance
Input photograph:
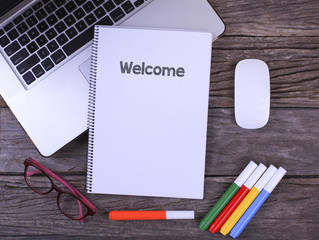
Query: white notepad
(148, 108)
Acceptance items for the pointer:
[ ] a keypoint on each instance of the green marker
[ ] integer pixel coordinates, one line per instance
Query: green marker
(227, 196)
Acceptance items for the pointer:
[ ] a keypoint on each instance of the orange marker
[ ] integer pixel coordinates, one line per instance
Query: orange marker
(151, 215)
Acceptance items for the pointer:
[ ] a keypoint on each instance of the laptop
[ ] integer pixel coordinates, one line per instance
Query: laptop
(45, 55)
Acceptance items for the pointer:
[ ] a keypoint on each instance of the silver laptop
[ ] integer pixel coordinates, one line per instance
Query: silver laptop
(45, 55)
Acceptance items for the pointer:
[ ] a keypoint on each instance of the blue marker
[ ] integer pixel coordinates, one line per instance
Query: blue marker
(254, 207)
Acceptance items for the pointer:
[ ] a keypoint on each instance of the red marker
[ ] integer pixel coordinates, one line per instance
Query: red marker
(236, 200)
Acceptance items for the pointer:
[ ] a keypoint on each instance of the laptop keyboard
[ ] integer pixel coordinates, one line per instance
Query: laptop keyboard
(51, 31)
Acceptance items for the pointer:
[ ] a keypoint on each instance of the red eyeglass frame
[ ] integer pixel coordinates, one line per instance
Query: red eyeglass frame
(91, 209)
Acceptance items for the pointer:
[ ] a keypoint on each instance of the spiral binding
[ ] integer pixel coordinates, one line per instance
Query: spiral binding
(91, 111)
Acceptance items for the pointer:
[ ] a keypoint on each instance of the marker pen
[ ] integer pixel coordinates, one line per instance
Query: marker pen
(236, 200)
(151, 215)
(227, 196)
(254, 207)
(242, 207)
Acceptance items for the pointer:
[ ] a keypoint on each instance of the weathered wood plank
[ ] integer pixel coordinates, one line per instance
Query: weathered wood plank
(289, 139)
(30, 215)
(269, 18)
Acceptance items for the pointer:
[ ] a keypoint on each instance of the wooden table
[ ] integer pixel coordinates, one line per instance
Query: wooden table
(285, 34)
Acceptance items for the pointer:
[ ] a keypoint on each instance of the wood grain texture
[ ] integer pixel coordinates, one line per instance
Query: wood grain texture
(269, 17)
(285, 34)
(37, 217)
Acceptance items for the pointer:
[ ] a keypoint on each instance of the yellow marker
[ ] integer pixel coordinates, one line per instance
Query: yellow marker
(247, 201)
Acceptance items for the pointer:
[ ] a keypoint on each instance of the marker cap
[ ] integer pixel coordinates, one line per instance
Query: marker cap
(279, 174)
(244, 175)
(265, 177)
(255, 176)
(180, 215)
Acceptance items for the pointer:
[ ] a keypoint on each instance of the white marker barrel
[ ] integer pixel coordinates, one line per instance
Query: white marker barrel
(255, 176)
(180, 214)
(279, 174)
(244, 175)
(265, 177)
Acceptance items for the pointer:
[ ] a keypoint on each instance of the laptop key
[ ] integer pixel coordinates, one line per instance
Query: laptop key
(81, 26)
(42, 26)
(138, 3)
(117, 14)
(47, 64)
(61, 13)
(38, 71)
(79, 13)
(59, 3)
(109, 6)
(88, 7)
(105, 21)
(80, 2)
(50, 7)
(12, 48)
(28, 63)
(58, 57)
(70, 6)
(31, 21)
(13, 34)
(24, 40)
(41, 14)
(99, 12)
(37, 6)
(18, 19)
(52, 46)
(71, 33)
(60, 27)
(28, 78)
(69, 20)
(79, 41)
(118, 1)
(128, 7)
(28, 13)
(43, 52)
(52, 19)
(4, 41)
(8, 26)
(33, 33)
(90, 19)
(62, 39)
(19, 56)
(22, 28)
(51, 33)
(98, 2)
(41, 40)
(1, 32)
(32, 47)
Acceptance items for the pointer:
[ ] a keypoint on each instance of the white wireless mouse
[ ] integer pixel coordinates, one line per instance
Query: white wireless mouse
(252, 93)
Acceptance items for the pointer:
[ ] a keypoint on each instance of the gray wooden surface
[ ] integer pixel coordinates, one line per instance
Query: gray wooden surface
(285, 34)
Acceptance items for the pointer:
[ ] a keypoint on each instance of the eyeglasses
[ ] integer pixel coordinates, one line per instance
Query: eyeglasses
(71, 203)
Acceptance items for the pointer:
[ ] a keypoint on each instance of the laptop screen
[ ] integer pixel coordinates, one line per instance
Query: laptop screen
(7, 5)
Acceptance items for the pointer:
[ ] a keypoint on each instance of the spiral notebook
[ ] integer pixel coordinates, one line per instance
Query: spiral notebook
(148, 108)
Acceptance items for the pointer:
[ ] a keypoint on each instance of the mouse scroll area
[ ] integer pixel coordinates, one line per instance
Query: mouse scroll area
(252, 94)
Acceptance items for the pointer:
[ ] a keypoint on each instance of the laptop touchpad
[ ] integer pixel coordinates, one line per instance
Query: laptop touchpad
(85, 69)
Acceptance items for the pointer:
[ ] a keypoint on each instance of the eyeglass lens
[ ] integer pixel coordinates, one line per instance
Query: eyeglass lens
(71, 206)
(37, 180)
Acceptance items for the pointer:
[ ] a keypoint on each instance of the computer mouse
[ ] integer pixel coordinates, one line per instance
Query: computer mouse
(252, 93)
